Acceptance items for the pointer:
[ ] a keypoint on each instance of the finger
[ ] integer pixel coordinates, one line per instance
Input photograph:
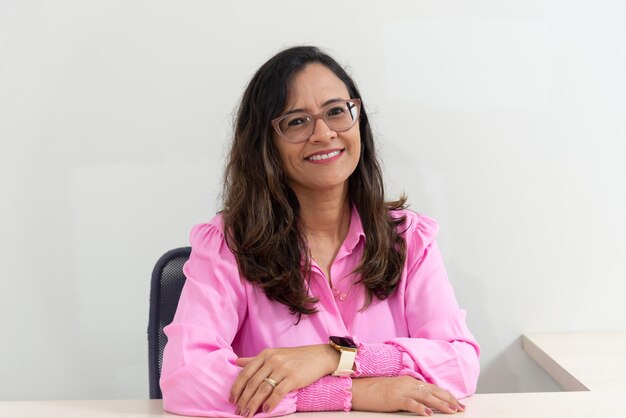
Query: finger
(440, 405)
(411, 405)
(424, 394)
(433, 401)
(242, 378)
(448, 398)
(262, 393)
(243, 361)
(253, 384)
(277, 395)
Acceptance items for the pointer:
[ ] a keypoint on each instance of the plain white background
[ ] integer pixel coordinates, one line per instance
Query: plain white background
(503, 120)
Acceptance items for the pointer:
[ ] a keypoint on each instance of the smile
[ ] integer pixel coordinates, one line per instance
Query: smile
(321, 157)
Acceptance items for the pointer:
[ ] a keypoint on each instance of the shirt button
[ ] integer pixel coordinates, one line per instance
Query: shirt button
(343, 297)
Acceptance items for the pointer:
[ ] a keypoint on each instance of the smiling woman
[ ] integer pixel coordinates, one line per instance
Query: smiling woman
(309, 291)
(318, 153)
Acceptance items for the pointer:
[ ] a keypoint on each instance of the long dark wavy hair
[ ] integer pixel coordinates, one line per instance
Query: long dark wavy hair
(261, 212)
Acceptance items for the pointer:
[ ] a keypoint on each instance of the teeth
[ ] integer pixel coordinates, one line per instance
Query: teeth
(324, 156)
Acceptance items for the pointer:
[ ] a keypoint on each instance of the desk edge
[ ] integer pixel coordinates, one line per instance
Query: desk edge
(555, 370)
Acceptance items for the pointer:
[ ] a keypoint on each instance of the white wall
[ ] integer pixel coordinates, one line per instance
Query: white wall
(503, 120)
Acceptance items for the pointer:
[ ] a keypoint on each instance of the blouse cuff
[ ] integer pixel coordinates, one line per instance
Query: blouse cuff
(327, 394)
(378, 360)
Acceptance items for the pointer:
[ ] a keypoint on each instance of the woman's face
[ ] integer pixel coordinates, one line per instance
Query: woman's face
(312, 87)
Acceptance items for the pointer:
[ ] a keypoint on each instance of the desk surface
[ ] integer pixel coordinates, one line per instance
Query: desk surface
(592, 366)
(581, 361)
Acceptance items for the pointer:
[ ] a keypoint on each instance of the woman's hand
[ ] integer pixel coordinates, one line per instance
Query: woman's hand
(402, 393)
(290, 368)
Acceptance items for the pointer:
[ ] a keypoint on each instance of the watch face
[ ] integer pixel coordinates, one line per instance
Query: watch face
(343, 342)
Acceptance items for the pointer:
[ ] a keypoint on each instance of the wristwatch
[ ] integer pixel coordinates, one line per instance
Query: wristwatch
(347, 348)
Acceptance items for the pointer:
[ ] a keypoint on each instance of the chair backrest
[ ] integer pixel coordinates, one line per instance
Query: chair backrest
(167, 283)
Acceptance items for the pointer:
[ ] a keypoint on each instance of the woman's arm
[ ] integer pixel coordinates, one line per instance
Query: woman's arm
(199, 365)
(440, 350)
(202, 376)
(293, 368)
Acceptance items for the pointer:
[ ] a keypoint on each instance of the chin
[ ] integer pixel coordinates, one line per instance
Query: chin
(328, 185)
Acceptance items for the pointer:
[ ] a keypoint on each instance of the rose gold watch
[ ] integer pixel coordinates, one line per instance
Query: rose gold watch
(347, 350)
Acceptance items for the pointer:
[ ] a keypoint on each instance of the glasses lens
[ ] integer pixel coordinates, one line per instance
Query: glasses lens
(341, 116)
(296, 127)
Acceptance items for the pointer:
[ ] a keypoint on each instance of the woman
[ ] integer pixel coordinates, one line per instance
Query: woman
(307, 250)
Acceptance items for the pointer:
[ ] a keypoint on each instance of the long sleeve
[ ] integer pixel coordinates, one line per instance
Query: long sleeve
(440, 348)
(198, 362)
(329, 393)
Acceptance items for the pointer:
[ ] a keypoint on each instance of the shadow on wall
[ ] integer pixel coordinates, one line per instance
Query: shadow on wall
(505, 367)
(513, 371)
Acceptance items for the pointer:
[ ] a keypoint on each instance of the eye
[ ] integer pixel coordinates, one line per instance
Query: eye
(336, 111)
(297, 121)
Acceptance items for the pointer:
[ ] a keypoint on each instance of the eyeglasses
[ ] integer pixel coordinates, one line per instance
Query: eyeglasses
(339, 115)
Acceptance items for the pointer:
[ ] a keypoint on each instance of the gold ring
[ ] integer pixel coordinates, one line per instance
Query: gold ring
(271, 382)
(423, 388)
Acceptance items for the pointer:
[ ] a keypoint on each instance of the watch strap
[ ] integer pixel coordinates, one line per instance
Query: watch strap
(346, 362)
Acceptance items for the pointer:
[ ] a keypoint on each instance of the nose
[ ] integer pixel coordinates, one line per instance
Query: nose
(322, 132)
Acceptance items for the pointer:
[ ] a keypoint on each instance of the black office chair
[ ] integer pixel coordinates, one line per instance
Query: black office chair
(167, 283)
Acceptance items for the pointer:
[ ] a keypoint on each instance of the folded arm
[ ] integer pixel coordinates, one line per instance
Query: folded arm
(201, 373)
(440, 348)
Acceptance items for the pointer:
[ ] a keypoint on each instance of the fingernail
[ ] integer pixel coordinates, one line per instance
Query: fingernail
(428, 411)
(266, 407)
(461, 406)
(246, 413)
(453, 408)
(231, 399)
(237, 411)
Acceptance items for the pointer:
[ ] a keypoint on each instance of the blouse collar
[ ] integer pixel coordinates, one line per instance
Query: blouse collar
(355, 233)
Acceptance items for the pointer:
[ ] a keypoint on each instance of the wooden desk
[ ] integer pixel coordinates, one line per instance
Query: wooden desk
(591, 364)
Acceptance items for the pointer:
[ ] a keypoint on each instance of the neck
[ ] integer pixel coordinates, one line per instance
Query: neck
(325, 214)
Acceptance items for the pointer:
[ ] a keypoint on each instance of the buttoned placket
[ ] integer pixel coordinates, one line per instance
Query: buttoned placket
(329, 311)
(329, 301)
(323, 285)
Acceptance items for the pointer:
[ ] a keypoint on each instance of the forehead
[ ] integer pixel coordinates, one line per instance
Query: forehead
(314, 85)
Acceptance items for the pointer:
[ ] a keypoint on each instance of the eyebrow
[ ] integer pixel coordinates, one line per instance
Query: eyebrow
(326, 103)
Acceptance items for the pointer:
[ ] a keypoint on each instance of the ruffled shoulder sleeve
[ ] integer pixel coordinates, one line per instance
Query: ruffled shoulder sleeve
(209, 237)
(420, 232)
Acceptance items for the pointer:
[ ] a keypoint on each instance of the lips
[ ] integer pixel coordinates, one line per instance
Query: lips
(324, 155)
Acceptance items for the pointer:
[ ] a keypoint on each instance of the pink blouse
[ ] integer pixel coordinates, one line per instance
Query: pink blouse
(418, 331)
